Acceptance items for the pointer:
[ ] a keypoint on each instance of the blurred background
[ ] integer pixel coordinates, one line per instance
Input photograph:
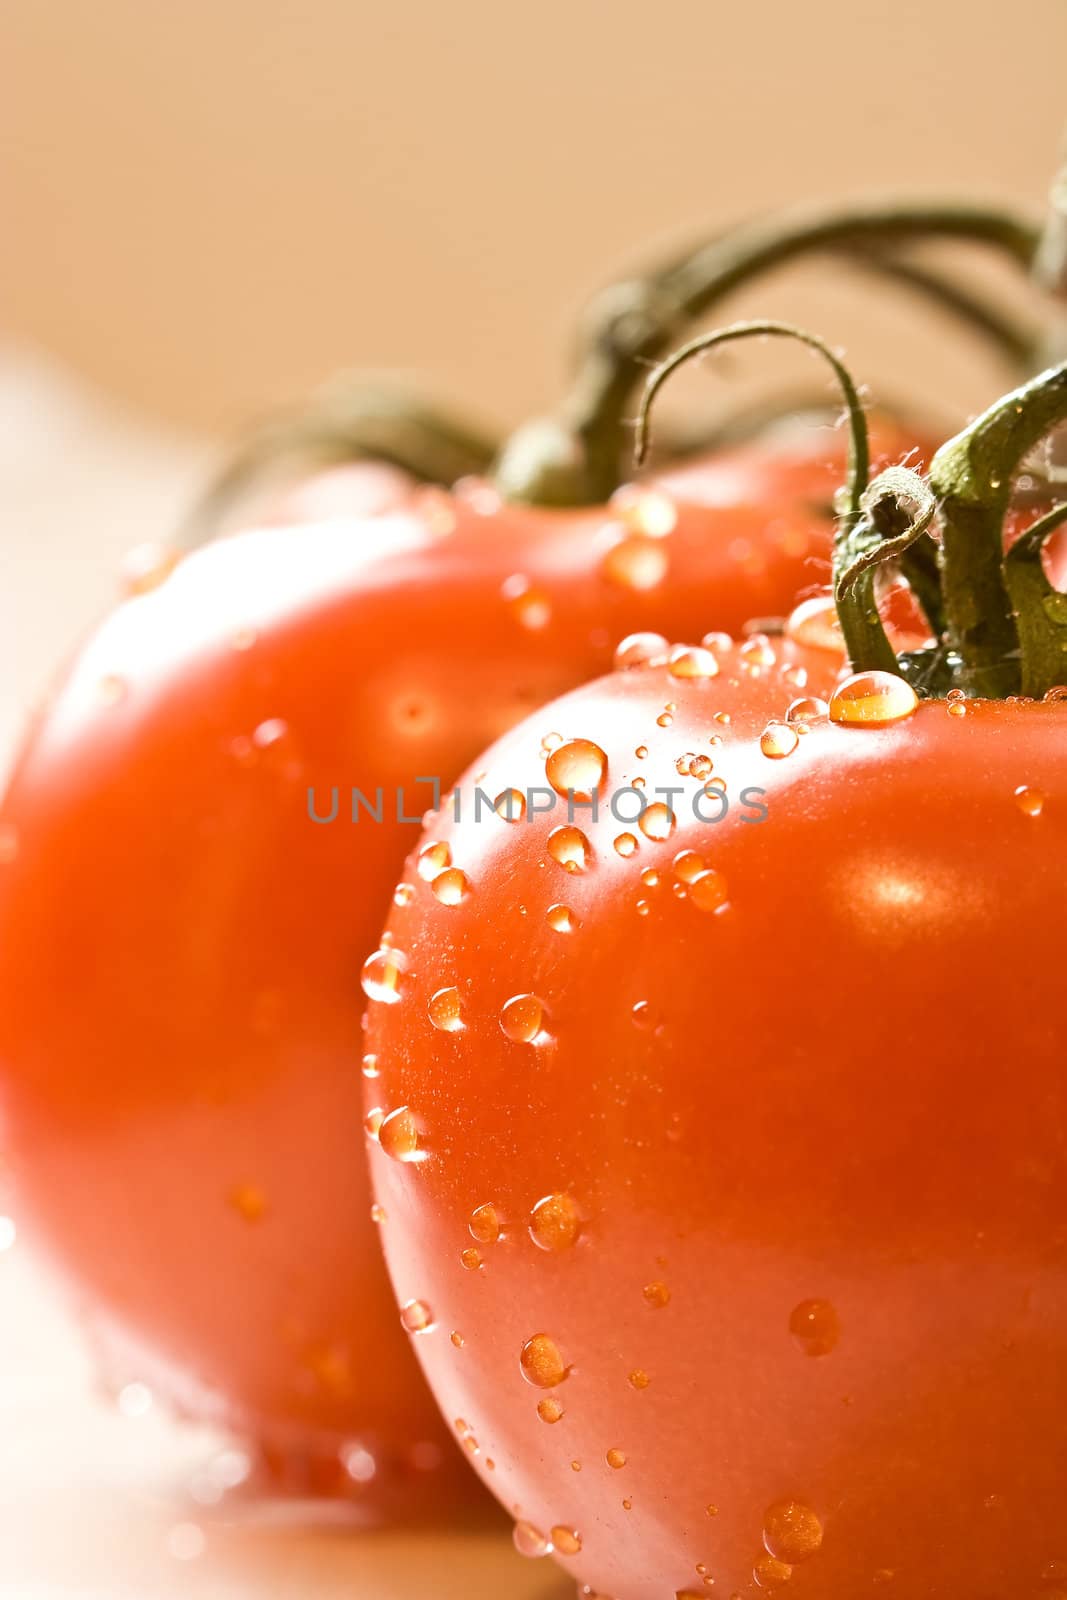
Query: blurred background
(208, 208)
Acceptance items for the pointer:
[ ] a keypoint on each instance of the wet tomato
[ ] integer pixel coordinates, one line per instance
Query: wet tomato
(720, 1149)
(182, 925)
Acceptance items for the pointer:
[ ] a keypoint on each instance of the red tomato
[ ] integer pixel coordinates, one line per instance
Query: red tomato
(180, 944)
(722, 1162)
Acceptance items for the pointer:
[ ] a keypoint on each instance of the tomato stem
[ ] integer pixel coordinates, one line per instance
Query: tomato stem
(577, 457)
(1040, 609)
(884, 532)
(355, 418)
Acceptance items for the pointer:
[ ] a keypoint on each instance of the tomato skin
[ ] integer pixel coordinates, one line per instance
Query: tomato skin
(833, 1110)
(180, 945)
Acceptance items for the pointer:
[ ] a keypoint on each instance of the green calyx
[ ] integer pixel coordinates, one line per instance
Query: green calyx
(1000, 627)
(581, 456)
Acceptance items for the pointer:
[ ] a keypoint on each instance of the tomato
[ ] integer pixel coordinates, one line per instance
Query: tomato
(180, 943)
(728, 1164)
(720, 1128)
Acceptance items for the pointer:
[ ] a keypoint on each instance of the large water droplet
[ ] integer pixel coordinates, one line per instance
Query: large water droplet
(530, 1541)
(432, 859)
(708, 891)
(570, 848)
(399, 1136)
(443, 1010)
(484, 1224)
(807, 710)
(541, 1363)
(549, 1411)
(791, 1531)
(771, 1573)
(814, 625)
(692, 661)
(778, 740)
(578, 766)
(416, 1316)
(872, 699)
(510, 804)
(625, 844)
(562, 919)
(616, 1459)
(452, 886)
(383, 975)
(641, 650)
(566, 1541)
(555, 1223)
(657, 821)
(522, 1018)
(1031, 802)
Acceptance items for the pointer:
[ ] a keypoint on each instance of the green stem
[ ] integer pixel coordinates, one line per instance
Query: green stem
(575, 458)
(353, 419)
(885, 532)
(972, 476)
(1040, 609)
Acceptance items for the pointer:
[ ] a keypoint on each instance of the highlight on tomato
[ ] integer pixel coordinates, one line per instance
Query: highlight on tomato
(718, 1118)
(185, 906)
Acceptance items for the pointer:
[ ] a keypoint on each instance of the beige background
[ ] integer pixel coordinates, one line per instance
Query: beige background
(209, 204)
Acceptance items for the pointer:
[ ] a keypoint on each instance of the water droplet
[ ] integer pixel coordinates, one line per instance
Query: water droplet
(470, 1259)
(806, 710)
(452, 886)
(403, 894)
(791, 1531)
(657, 821)
(770, 1573)
(562, 919)
(625, 844)
(484, 1224)
(249, 1201)
(1031, 802)
(9, 843)
(416, 1316)
(777, 740)
(664, 720)
(814, 625)
(700, 766)
(443, 1010)
(510, 804)
(457, 1339)
(522, 1018)
(815, 1326)
(372, 1122)
(555, 1223)
(577, 767)
(636, 562)
(399, 1136)
(641, 752)
(566, 1541)
(688, 865)
(432, 859)
(378, 1214)
(370, 1067)
(616, 1459)
(383, 975)
(359, 1464)
(570, 847)
(530, 607)
(656, 1295)
(692, 661)
(530, 1541)
(549, 1411)
(650, 877)
(708, 891)
(757, 653)
(957, 708)
(641, 650)
(576, 1466)
(541, 1363)
(873, 699)
(639, 1379)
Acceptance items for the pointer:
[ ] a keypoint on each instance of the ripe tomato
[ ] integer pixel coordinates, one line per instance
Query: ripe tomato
(722, 1162)
(180, 943)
